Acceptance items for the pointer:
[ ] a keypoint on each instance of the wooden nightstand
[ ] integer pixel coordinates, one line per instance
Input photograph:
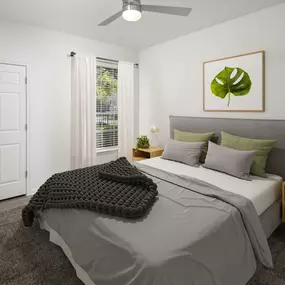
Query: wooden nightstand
(145, 153)
(283, 202)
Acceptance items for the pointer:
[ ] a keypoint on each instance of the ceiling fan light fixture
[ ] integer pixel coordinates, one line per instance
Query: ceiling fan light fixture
(132, 13)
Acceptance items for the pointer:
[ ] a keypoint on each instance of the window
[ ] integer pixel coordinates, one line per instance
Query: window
(107, 108)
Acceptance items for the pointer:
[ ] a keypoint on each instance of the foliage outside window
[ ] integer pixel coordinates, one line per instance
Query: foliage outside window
(107, 107)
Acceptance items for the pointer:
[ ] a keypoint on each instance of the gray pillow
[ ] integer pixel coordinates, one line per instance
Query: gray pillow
(231, 161)
(185, 152)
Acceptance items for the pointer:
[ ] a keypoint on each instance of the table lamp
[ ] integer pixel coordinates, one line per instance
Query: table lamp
(154, 139)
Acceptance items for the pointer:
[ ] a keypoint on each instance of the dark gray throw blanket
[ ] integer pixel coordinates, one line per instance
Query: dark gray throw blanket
(116, 188)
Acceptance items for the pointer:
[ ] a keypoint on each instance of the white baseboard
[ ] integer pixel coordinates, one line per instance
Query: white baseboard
(32, 192)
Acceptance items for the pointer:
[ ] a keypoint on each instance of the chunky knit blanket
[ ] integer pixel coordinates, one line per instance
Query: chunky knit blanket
(116, 188)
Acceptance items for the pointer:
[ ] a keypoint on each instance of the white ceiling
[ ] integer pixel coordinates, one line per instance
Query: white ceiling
(80, 17)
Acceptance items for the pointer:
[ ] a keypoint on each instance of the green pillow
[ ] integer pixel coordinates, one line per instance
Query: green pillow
(262, 147)
(194, 137)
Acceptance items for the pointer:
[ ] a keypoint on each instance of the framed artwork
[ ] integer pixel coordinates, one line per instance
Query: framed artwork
(234, 84)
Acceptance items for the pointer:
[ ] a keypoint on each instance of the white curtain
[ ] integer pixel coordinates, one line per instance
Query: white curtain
(126, 89)
(83, 112)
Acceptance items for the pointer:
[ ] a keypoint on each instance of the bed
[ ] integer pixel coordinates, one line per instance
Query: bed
(158, 249)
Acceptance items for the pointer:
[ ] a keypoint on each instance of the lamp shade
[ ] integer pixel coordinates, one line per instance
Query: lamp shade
(154, 130)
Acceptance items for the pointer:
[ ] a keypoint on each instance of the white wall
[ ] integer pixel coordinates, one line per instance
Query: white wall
(171, 73)
(46, 53)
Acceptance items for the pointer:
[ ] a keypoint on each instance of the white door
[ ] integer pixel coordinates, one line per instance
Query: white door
(12, 131)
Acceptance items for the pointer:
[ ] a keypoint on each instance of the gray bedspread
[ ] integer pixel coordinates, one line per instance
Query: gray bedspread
(195, 234)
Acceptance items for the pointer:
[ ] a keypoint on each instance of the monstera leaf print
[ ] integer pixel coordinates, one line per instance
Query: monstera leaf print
(231, 81)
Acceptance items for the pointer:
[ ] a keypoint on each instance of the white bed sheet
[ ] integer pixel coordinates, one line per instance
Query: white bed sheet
(263, 192)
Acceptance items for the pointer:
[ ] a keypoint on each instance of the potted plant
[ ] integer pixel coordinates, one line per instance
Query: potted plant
(143, 142)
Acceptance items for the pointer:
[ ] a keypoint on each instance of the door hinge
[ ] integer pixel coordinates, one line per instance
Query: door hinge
(26, 173)
(26, 80)
(26, 127)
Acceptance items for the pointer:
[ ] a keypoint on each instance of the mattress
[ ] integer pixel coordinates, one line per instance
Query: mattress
(263, 192)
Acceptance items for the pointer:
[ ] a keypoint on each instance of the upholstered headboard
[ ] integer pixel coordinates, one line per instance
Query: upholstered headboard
(259, 129)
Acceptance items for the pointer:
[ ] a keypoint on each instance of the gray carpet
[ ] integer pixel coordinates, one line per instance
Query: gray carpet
(28, 258)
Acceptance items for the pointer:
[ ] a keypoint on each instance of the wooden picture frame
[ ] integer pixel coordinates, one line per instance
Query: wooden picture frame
(259, 87)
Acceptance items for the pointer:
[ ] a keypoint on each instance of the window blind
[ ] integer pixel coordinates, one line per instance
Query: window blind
(107, 107)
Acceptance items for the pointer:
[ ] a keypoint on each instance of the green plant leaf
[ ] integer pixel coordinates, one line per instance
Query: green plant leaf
(229, 81)
(143, 142)
(106, 85)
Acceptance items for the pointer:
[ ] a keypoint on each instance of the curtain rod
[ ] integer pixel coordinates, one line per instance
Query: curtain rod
(73, 54)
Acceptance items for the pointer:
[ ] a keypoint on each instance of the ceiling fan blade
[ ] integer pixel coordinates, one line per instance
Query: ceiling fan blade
(111, 19)
(179, 11)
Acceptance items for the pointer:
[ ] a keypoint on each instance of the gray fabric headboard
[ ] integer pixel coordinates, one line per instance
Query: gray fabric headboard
(259, 129)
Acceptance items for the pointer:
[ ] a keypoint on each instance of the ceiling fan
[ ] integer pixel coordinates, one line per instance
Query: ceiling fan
(132, 11)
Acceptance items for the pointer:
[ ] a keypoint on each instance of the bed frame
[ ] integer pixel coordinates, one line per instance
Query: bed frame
(251, 128)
